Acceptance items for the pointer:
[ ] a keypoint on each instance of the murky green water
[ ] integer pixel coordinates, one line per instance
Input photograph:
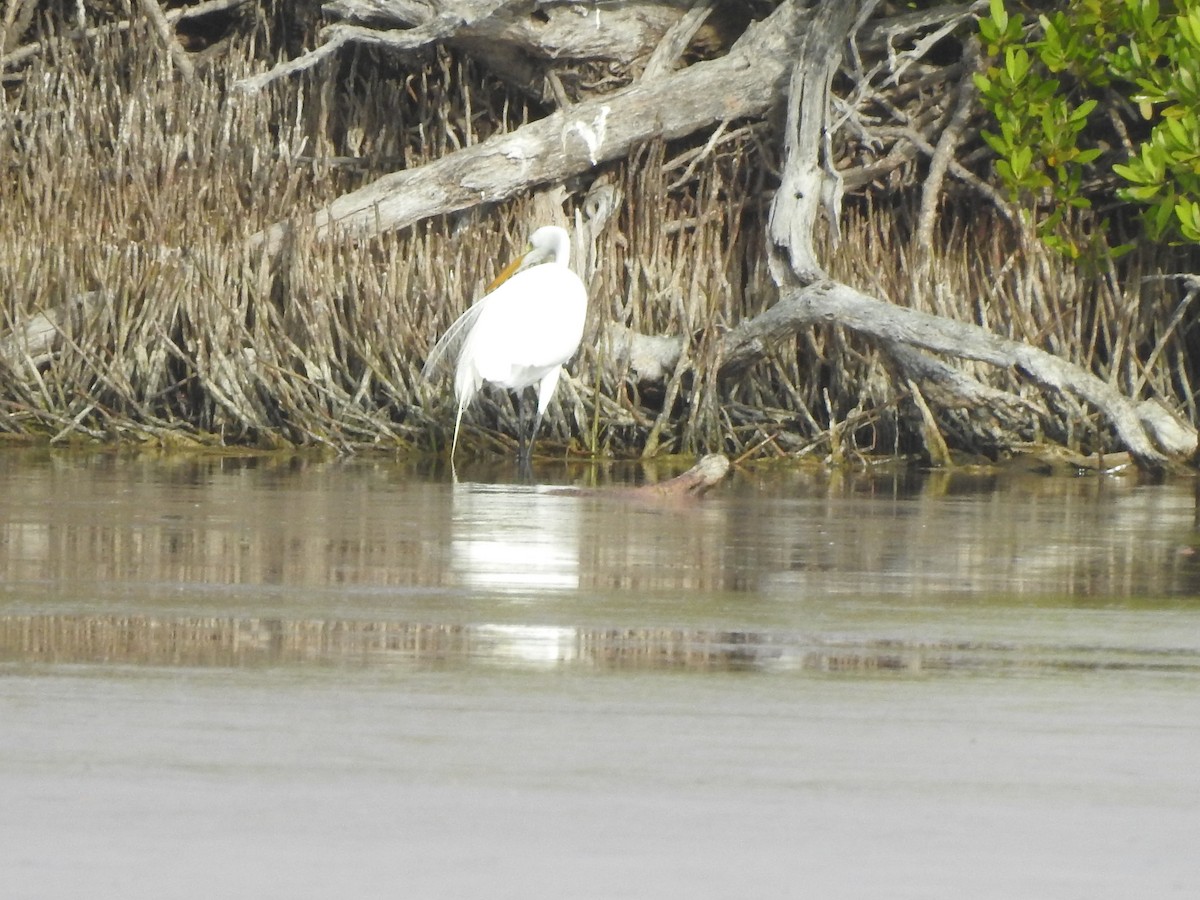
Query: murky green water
(297, 678)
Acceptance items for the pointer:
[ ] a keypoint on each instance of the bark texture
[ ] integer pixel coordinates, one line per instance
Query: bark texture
(744, 83)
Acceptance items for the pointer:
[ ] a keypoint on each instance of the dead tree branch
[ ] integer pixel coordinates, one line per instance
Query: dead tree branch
(503, 32)
(809, 180)
(743, 83)
(887, 325)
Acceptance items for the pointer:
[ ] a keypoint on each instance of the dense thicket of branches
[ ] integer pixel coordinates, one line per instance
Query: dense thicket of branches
(784, 213)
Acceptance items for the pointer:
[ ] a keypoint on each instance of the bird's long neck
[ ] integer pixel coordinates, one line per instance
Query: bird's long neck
(560, 248)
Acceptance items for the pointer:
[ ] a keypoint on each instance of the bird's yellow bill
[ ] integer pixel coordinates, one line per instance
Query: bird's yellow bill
(507, 273)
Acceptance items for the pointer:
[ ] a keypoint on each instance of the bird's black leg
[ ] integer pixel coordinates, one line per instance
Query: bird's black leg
(524, 445)
(537, 424)
(520, 396)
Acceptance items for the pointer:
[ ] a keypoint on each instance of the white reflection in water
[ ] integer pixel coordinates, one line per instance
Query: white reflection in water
(509, 538)
(536, 644)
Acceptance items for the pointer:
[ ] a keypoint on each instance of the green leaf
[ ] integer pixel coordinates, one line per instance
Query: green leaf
(1016, 64)
(997, 143)
(1083, 110)
(1021, 159)
(1178, 132)
(1161, 215)
(1149, 13)
(1130, 173)
(1188, 213)
(1189, 26)
(1142, 192)
(999, 14)
(1152, 160)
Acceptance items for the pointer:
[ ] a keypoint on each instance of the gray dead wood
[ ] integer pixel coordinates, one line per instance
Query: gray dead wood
(743, 83)
(890, 326)
(505, 35)
(676, 40)
(809, 181)
(563, 30)
(11, 56)
(1148, 431)
(166, 34)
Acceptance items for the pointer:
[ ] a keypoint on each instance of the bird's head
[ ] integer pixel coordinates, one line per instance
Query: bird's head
(548, 244)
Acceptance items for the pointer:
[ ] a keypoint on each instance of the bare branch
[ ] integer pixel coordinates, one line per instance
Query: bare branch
(839, 304)
(809, 179)
(172, 16)
(944, 153)
(675, 41)
(743, 83)
(167, 35)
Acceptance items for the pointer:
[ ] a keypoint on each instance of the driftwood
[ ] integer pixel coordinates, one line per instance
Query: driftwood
(697, 481)
(793, 54)
(809, 180)
(506, 35)
(895, 329)
(745, 82)
(898, 331)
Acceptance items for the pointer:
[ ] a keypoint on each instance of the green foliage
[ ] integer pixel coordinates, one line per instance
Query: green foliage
(1045, 81)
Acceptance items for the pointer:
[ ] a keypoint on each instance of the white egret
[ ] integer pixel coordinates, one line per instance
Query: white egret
(520, 333)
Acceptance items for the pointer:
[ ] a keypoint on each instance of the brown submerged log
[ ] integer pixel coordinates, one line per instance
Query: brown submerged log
(695, 482)
(691, 485)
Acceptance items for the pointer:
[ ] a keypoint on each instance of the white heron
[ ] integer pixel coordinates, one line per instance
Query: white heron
(520, 333)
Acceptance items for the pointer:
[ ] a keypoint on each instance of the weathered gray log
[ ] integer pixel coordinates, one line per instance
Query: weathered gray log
(505, 34)
(744, 82)
(1148, 431)
(560, 30)
(676, 39)
(832, 303)
(809, 180)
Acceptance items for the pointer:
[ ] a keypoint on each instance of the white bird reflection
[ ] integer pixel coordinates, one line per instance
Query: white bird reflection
(536, 644)
(515, 539)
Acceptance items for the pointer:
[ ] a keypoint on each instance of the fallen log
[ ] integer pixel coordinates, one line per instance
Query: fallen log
(891, 326)
(743, 83)
(1148, 431)
(695, 482)
(810, 182)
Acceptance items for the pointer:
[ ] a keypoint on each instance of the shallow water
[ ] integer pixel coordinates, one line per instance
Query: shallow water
(293, 677)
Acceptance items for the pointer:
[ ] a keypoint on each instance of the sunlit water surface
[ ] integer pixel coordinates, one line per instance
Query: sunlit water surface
(289, 677)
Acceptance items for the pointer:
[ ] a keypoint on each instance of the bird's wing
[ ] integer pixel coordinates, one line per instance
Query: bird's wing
(451, 342)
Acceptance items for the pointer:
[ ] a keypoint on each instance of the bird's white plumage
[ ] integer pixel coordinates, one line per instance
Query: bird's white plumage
(523, 331)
